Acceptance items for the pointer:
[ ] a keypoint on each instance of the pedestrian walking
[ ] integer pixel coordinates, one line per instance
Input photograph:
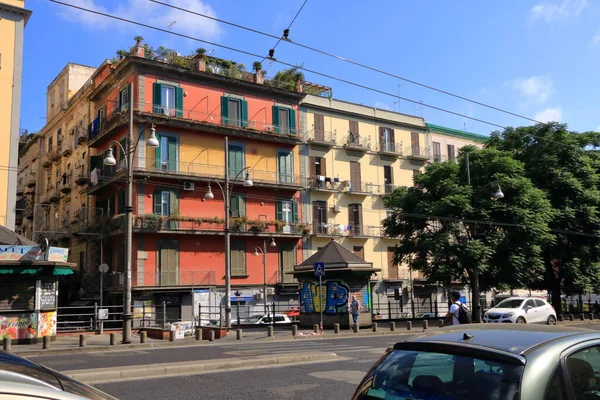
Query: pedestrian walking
(458, 313)
(355, 309)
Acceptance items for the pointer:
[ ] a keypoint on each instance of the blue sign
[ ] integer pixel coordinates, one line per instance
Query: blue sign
(319, 269)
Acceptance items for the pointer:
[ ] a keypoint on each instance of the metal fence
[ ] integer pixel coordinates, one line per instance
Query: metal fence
(88, 318)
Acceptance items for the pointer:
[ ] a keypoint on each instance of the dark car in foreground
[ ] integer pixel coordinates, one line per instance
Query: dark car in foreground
(24, 379)
(489, 362)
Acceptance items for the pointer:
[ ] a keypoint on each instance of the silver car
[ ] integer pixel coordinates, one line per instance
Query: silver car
(489, 362)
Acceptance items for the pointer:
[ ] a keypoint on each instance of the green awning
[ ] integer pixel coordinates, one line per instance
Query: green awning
(29, 270)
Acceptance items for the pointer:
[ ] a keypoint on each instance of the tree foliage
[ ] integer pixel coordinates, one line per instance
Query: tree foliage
(452, 231)
(559, 163)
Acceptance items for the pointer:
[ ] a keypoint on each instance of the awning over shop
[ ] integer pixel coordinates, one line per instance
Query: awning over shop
(33, 270)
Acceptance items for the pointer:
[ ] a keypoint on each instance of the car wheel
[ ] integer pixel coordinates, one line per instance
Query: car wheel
(551, 320)
(521, 320)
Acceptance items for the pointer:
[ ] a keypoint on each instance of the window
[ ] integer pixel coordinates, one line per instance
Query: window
(168, 262)
(386, 140)
(319, 127)
(285, 166)
(287, 211)
(539, 303)
(238, 258)
(582, 367)
(319, 217)
(236, 159)
(353, 129)
(556, 387)
(451, 154)
(237, 207)
(234, 111)
(437, 152)
(50, 145)
(388, 178)
(355, 178)
(528, 303)
(287, 260)
(284, 120)
(318, 172)
(167, 100)
(165, 202)
(355, 218)
(123, 102)
(167, 153)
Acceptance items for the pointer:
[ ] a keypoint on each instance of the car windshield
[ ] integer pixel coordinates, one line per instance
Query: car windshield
(510, 303)
(254, 318)
(405, 374)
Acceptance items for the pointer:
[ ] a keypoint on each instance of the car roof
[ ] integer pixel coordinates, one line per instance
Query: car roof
(524, 298)
(516, 339)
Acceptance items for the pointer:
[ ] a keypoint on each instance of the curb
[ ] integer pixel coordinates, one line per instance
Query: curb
(165, 345)
(112, 374)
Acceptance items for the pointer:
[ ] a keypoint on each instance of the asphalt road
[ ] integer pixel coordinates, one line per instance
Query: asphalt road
(343, 347)
(332, 381)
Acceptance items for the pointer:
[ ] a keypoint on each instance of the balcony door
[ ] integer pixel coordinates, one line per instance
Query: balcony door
(319, 217)
(355, 179)
(415, 144)
(166, 153)
(386, 138)
(319, 128)
(236, 159)
(285, 166)
(168, 263)
(355, 219)
(287, 260)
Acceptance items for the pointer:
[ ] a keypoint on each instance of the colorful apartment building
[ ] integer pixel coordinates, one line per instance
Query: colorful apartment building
(13, 18)
(353, 155)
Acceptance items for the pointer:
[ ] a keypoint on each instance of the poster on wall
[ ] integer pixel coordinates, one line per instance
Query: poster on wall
(47, 324)
(142, 309)
(27, 326)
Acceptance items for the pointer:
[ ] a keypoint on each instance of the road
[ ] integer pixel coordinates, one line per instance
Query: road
(342, 347)
(335, 380)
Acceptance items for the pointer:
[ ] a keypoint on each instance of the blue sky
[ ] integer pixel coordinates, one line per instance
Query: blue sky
(536, 58)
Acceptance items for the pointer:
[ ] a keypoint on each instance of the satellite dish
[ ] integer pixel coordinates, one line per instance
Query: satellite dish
(44, 245)
(103, 268)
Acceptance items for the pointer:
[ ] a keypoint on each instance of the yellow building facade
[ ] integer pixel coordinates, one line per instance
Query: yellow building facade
(13, 17)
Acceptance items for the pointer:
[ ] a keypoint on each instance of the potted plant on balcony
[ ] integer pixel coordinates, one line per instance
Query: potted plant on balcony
(138, 40)
(200, 59)
(258, 68)
(257, 227)
(122, 54)
(236, 224)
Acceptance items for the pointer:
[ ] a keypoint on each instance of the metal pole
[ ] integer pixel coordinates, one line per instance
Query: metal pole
(321, 302)
(101, 322)
(127, 317)
(468, 169)
(265, 273)
(227, 200)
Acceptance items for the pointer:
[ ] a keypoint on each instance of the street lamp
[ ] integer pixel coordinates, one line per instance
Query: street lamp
(110, 160)
(227, 201)
(263, 250)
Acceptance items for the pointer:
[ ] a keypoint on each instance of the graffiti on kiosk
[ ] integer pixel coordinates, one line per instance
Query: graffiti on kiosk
(334, 297)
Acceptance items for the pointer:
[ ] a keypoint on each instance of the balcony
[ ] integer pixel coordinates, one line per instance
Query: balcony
(321, 138)
(30, 180)
(355, 231)
(282, 278)
(65, 184)
(170, 278)
(149, 223)
(81, 175)
(327, 184)
(441, 158)
(54, 196)
(389, 188)
(390, 149)
(56, 154)
(417, 153)
(195, 119)
(66, 148)
(47, 162)
(361, 188)
(357, 143)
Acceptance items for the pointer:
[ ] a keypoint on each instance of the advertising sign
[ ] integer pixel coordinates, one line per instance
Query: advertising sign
(58, 254)
(27, 326)
(21, 253)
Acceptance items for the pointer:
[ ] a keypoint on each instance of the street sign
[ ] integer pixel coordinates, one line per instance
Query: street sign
(102, 313)
(319, 269)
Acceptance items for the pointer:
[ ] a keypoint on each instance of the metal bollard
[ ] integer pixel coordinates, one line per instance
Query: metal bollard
(592, 316)
(46, 342)
(113, 339)
(239, 334)
(270, 331)
(441, 323)
(336, 328)
(561, 317)
(211, 336)
(571, 317)
(392, 326)
(316, 328)
(171, 336)
(7, 344)
(374, 327)
(294, 330)
(82, 341)
(581, 316)
(198, 333)
(408, 325)
(425, 324)
(143, 336)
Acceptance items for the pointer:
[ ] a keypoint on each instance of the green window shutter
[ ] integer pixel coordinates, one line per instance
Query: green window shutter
(294, 211)
(178, 102)
(172, 154)
(279, 211)
(244, 113)
(157, 151)
(276, 118)
(292, 121)
(157, 97)
(157, 202)
(225, 110)
(235, 206)
(174, 203)
(242, 205)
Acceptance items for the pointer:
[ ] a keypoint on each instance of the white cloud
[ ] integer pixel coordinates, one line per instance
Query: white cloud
(554, 10)
(147, 12)
(537, 89)
(549, 115)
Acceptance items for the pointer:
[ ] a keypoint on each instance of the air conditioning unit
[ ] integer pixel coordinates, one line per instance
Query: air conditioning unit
(189, 186)
(258, 296)
(270, 291)
(337, 209)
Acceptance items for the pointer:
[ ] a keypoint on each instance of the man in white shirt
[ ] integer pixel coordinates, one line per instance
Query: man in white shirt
(452, 316)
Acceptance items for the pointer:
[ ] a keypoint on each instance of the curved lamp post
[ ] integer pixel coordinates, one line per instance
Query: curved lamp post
(263, 250)
(110, 160)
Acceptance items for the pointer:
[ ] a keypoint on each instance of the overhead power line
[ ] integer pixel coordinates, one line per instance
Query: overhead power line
(348, 61)
(280, 62)
(288, 28)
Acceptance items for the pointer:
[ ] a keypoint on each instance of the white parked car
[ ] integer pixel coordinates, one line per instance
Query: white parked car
(266, 319)
(521, 310)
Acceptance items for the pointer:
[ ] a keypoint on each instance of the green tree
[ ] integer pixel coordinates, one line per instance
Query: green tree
(559, 162)
(453, 231)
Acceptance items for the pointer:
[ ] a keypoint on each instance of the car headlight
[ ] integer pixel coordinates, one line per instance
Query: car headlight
(508, 315)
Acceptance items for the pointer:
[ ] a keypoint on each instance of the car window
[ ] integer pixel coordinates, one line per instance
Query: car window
(529, 303)
(432, 375)
(510, 303)
(556, 387)
(539, 303)
(583, 369)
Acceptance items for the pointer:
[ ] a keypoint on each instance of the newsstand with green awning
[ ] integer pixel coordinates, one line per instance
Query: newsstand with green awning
(29, 291)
